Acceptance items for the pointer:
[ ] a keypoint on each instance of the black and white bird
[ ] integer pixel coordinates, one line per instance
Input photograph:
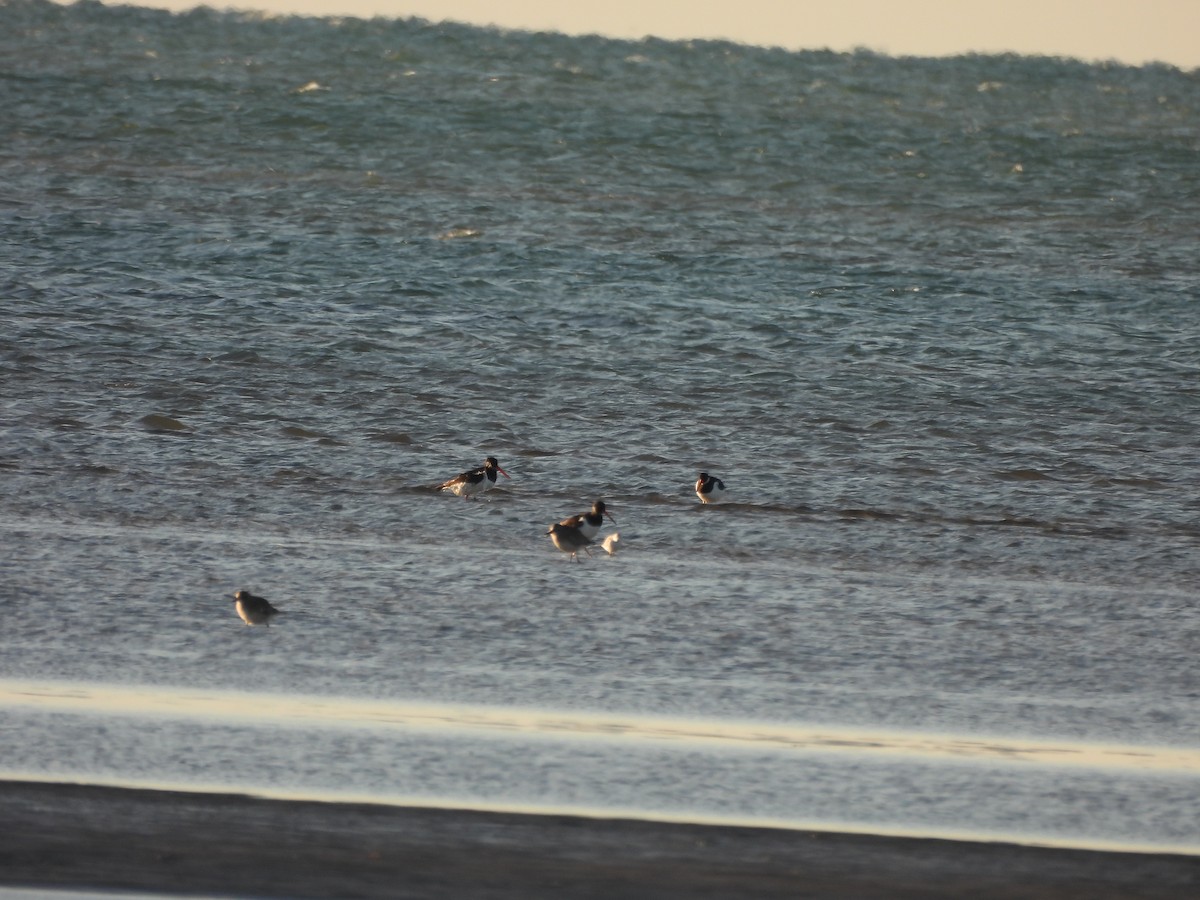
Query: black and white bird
(709, 488)
(470, 484)
(589, 523)
(254, 610)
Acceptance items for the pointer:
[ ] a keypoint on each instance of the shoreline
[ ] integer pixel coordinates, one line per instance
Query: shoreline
(73, 836)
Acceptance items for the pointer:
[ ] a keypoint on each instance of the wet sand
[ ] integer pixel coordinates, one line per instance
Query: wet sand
(72, 836)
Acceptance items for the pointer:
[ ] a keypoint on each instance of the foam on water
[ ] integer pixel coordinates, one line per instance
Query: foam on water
(281, 710)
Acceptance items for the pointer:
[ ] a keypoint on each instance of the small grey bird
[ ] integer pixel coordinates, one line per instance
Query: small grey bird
(569, 539)
(254, 610)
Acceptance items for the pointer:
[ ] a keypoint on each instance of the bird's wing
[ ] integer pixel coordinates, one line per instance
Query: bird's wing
(472, 476)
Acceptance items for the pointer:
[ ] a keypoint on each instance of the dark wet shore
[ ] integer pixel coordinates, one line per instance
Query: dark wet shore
(72, 836)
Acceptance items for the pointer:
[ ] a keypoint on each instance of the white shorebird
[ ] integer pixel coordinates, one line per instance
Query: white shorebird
(709, 488)
(468, 484)
(254, 610)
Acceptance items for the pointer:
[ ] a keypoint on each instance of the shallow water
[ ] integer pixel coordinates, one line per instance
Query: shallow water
(712, 770)
(266, 282)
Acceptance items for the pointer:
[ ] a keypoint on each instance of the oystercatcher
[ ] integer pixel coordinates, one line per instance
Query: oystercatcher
(254, 610)
(589, 523)
(468, 484)
(709, 487)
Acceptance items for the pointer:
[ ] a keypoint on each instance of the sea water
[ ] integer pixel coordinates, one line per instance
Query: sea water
(266, 282)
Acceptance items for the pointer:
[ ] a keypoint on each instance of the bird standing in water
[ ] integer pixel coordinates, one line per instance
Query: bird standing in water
(254, 610)
(569, 539)
(470, 484)
(709, 487)
(589, 523)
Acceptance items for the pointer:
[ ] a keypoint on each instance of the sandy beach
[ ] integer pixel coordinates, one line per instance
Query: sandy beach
(74, 836)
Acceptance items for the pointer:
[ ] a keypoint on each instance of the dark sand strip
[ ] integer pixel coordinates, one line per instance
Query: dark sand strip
(72, 836)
